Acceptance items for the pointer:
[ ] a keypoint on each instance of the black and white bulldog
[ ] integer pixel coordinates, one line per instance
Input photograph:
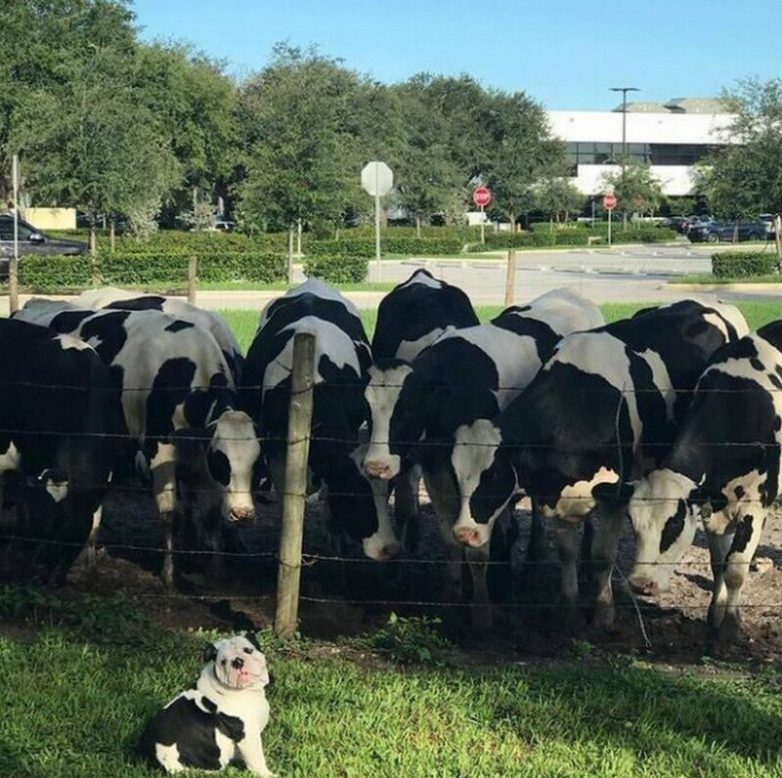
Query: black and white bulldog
(217, 720)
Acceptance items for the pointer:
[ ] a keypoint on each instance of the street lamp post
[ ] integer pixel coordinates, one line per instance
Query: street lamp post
(624, 90)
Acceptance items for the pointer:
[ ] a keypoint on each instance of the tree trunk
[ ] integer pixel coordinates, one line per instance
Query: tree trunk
(93, 238)
(417, 226)
(112, 233)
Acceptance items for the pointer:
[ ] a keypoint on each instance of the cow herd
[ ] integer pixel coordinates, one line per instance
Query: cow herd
(670, 417)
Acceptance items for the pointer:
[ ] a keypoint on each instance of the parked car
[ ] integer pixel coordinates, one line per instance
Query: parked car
(679, 223)
(714, 231)
(32, 241)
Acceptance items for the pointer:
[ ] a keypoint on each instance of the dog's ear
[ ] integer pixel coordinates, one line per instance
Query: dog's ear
(253, 639)
(210, 652)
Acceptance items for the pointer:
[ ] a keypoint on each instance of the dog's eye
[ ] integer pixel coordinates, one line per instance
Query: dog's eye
(248, 651)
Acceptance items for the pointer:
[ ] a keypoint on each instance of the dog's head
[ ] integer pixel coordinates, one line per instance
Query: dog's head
(238, 662)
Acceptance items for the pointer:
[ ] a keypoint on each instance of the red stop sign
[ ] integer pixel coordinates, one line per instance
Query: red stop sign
(609, 202)
(482, 196)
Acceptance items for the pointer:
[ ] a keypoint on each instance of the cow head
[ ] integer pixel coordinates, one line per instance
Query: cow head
(232, 455)
(359, 506)
(664, 521)
(485, 478)
(396, 417)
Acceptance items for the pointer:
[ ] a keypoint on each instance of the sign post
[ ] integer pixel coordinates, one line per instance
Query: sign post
(482, 197)
(609, 203)
(13, 265)
(377, 179)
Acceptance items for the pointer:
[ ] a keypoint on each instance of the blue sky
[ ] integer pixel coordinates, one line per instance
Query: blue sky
(564, 53)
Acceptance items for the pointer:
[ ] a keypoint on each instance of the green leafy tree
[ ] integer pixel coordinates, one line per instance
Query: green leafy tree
(303, 156)
(428, 178)
(636, 189)
(195, 104)
(85, 137)
(557, 197)
(744, 178)
(518, 152)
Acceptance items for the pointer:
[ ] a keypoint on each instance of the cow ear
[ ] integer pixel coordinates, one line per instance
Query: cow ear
(210, 652)
(620, 491)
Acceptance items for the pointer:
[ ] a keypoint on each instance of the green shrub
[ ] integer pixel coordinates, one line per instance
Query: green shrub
(365, 247)
(743, 264)
(45, 274)
(337, 269)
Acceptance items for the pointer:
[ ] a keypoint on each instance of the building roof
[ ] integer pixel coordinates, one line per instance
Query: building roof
(690, 105)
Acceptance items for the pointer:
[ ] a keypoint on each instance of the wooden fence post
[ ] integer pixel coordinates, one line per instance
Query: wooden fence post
(295, 487)
(192, 278)
(510, 278)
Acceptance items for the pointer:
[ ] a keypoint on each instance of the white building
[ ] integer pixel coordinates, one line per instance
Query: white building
(671, 137)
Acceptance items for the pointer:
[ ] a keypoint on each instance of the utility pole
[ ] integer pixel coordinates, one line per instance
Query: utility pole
(624, 90)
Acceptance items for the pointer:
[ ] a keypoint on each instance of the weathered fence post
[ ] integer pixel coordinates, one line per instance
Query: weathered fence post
(510, 278)
(295, 487)
(192, 279)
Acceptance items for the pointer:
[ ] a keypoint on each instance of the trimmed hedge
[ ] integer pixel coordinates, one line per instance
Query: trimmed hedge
(575, 237)
(339, 269)
(365, 247)
(743, 264)
(43, 274)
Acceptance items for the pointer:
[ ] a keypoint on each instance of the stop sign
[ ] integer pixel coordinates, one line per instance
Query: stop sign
(609, 202)
(482, 196)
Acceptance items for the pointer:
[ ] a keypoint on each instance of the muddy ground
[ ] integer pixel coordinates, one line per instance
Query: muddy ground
(236, 591)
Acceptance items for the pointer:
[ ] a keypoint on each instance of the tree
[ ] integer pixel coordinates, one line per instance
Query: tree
(428, 179)
(303, 159)
(85, 137)
(636, 189)
(557, 197)
(517, 152)
(744, 178)
(195, 104)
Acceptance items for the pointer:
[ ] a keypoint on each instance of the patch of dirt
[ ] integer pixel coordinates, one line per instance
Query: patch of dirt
(236, 591)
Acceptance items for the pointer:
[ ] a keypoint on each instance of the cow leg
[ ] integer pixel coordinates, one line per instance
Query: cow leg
(92, 538)
(568, 535)
(445, 502)
(536, 545)
(605, 542)
(742, 549)
(480, 606)
(163, 470)
(406, 506)
(719, 546)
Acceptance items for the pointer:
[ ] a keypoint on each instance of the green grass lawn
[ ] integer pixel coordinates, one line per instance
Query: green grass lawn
(73, 708)
(244, 323)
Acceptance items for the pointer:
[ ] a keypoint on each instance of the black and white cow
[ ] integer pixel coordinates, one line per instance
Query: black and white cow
(604, 408)
(177, 391)
(61, 427)
(342, 357)
(415, 313)
(438, 412)
(122, 299)
(411, 317)
(723, 468)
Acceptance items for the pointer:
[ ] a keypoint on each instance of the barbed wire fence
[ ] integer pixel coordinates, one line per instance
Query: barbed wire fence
(291, 558)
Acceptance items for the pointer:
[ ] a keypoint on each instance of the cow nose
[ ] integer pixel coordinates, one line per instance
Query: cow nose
(468, 536)
(645, 586)
(377, 470)
(389, 551)
(237, 663)
(242, 514)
